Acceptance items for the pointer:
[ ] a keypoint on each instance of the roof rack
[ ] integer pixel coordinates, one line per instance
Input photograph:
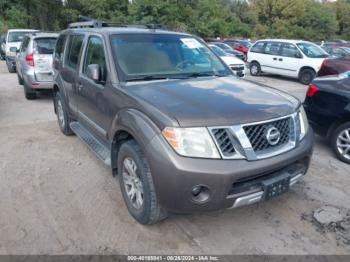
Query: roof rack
(88, 22)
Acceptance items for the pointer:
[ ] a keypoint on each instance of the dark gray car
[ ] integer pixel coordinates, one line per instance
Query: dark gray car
(182, 133)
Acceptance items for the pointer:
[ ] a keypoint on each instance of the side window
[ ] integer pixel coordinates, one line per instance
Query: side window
(258, 47)
(75, 44)
(60, 47)
(24, 44)
(289, 50)
(95, 55)
(272, 48)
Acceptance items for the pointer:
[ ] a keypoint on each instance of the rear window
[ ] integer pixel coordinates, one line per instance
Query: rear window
(258, 47)
(45, 46)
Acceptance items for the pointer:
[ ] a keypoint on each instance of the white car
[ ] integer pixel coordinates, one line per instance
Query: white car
(13, 39)
(293, 58)
(236, 64)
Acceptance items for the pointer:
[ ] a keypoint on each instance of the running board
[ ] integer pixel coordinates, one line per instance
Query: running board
(101, 151)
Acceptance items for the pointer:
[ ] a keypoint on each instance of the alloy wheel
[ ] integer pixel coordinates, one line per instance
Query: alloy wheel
(132, 183)
(60, 113)
(343, 143)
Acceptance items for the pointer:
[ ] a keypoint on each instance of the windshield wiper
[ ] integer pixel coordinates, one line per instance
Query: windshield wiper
(203, 74)
(147, 78)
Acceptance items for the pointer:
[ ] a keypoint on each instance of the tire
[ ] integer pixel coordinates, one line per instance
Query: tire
(255, 69)
(20, 79)
(62, 115)
(341, 135)
(28, 93)
(148, 212)
(306, 76)
(10, 68)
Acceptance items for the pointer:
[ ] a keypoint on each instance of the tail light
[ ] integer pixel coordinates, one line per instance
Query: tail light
(30, 59)
(324, 63)
(312, 90)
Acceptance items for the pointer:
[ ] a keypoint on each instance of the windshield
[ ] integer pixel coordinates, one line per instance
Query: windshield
(45, 46)
(138, 56)
(217, 50)
(312, 50)
(16, 36)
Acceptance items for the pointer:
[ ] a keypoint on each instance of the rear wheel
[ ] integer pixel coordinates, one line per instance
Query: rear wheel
(306, 76)
(136, 184)
(255, 69)
(340, 141)
(62, 115)
(20, 79)
(29, 93)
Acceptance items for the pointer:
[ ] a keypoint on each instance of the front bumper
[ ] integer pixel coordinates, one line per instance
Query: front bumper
(230, 183)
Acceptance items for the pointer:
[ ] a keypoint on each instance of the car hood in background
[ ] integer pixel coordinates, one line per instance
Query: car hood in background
(213, 101)
(232, 60)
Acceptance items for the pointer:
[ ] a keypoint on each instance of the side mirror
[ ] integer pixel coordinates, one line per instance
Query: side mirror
(14, 49)
(94, 72)
(298, 55)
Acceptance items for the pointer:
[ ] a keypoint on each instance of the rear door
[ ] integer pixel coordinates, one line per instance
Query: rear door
(43, 48)
(69, 70)
(270, 62)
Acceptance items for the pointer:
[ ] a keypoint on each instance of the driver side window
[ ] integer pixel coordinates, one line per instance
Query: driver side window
(95, 55)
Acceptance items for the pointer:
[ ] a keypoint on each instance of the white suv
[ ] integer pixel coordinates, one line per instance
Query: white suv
(292, 58)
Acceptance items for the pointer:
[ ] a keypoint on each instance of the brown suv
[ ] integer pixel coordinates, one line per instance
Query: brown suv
(181, 132)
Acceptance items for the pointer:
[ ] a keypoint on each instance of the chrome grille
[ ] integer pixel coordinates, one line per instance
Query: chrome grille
(224, 141)
(257, 134)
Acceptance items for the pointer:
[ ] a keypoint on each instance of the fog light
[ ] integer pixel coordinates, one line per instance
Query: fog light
(200, 194)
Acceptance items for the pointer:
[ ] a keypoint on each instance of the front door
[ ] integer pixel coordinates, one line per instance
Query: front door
(93, 101)
(289, 62)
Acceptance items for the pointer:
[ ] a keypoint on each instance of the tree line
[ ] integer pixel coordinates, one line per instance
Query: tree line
(302, 19)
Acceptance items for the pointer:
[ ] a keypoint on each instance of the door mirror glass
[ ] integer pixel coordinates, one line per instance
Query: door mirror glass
(93, 72)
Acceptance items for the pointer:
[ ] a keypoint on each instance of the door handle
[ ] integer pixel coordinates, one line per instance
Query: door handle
(275, 58)
(280, 59)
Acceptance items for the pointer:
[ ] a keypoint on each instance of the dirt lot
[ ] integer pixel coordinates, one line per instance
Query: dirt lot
(57, 198)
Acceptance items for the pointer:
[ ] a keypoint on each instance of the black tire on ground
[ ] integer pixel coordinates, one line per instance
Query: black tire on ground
(149, 212)
(306, 76)
(341, 135)
(62, 115)
(11, 69)
(28, 93)
(20, 79)
(255, 68)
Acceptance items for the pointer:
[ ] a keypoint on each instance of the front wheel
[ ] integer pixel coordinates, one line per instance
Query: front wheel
(340, 141)
(255, 69)
(306, 76)
(136, 184)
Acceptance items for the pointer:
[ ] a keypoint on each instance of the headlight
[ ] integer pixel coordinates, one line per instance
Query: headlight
(191, 142)
(304, 124)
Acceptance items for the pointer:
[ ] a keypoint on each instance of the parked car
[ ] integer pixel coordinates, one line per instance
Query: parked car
(228, 49)
(2, 46)
(181, 132)
(292, 58)
(327, 106)
(236, 64)
(337, 51)
(34, 63)
(12, 43)
(239, 45)
(334, 66)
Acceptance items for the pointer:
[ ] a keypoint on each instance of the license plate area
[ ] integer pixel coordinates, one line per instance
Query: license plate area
(276, 186)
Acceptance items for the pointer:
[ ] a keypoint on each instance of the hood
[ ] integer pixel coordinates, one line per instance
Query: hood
(12, 44)
(213, 101)
(232, 60)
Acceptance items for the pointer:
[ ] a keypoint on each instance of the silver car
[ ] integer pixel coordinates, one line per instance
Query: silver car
(34, 63)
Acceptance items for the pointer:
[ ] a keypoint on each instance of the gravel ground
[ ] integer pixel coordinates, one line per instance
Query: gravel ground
(57, 198)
